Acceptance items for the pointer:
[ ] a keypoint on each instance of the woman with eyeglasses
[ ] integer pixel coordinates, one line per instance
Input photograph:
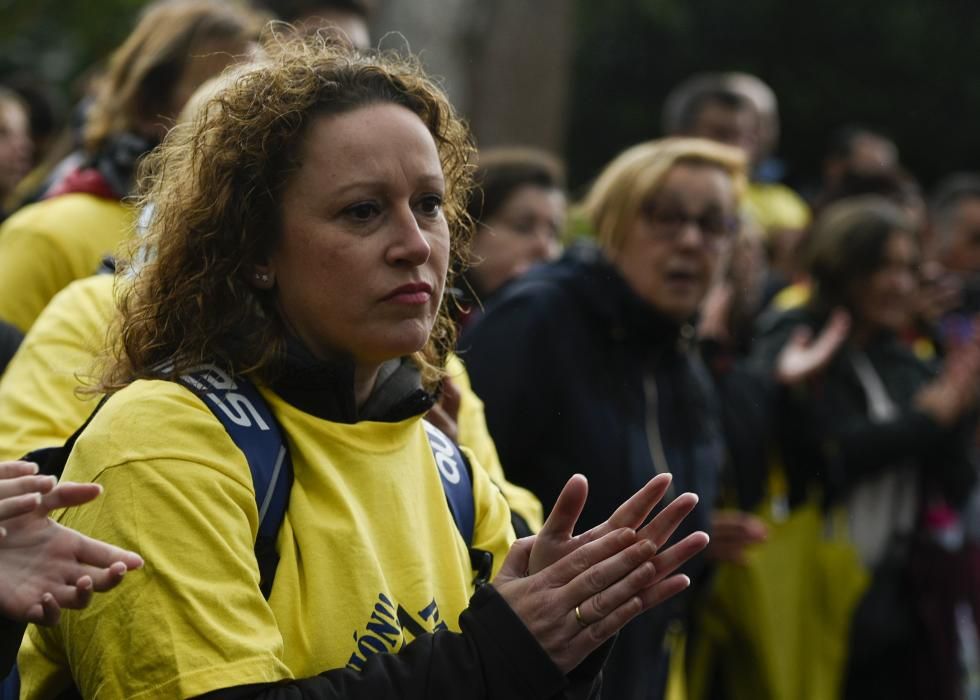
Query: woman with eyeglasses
(588, 364)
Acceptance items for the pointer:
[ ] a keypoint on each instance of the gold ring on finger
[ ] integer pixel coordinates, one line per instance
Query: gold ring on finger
(579, 619)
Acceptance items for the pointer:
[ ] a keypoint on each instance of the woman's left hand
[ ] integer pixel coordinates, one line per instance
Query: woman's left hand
(555, 540)
(574, 593)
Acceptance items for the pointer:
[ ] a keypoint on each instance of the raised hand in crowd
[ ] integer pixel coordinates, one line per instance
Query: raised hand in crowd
(714, 320)
(939, 293)
(47, 567)
(804, 356)
(956, 390)
(732, 532)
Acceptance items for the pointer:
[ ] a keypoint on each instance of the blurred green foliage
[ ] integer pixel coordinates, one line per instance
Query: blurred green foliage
(907, 67)
(55, 41)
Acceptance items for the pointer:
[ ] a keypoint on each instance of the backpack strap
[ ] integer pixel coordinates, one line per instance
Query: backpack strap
(246, 417)
(52, 460)
(249, 422)
(457, 483)
(454, 471)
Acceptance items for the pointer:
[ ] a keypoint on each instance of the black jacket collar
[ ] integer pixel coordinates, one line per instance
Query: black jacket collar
(325, 389)
(606, 295)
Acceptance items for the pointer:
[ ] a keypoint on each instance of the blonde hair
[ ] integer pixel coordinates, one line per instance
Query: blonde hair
(634, 176)
(144, 70)
(215, 186)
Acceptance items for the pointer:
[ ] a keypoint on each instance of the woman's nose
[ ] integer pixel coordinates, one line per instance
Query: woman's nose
(410, 245)
(544, 245)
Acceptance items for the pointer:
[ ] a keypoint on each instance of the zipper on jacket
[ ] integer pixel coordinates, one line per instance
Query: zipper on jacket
(655, 441)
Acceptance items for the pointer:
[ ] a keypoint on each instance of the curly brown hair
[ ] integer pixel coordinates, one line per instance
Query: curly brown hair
(214, 189)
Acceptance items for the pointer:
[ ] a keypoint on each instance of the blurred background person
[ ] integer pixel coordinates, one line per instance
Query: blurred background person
(880, 434)
(857, 149)
(176, 46)
(954, 256)
(16, 145)
(740, 110)
(589, 364)
(518, 207)
(351, 17)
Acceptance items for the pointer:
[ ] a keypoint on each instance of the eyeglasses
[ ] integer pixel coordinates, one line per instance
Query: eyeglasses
(670, 222)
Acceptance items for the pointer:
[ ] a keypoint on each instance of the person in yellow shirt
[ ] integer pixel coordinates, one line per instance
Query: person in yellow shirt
(42, 397)
(176, 46)
(302, 231)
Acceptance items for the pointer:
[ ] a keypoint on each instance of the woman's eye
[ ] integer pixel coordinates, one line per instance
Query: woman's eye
(430, 205)
(363, 211)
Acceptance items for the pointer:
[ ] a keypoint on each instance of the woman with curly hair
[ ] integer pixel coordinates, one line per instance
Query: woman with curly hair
(301, 233)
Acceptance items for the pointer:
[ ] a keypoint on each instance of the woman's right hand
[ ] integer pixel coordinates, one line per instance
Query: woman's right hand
(47, 567)
(804, 356)
(591, 585)
(955, 391)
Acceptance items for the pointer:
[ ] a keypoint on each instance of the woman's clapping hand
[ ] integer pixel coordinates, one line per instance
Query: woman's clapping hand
(575, 592)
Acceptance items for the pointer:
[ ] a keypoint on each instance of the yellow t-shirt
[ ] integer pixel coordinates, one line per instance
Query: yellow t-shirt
(793, 296)
(39, 406)
(776, 207)
(47, 245)
(367, 533)
(472, 431)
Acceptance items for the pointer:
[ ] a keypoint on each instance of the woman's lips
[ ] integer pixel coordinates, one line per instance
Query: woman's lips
(684, 277)
(413, 294)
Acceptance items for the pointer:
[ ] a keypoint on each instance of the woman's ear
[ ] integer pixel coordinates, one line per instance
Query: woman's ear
(262, 277)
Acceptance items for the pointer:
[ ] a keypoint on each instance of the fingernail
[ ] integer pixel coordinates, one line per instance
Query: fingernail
(3, 533)
(34, 467)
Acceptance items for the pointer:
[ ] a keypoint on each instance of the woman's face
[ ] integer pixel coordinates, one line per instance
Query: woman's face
(672, 248)
(206, 60)
(883, 299)
(360, 265)
(524, 231)
(15, 145)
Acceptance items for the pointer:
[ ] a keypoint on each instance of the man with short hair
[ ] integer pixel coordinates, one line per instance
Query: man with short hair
(740, 110)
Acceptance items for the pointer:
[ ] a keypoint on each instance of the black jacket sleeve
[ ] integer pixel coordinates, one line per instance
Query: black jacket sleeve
(11, 635)
(494, 657)
(10, 340)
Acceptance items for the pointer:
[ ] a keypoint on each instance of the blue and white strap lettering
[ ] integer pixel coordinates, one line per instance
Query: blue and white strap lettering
(456, 481)
(246, 416)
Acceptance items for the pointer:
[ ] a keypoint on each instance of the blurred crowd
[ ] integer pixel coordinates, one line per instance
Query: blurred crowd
(806, 362)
